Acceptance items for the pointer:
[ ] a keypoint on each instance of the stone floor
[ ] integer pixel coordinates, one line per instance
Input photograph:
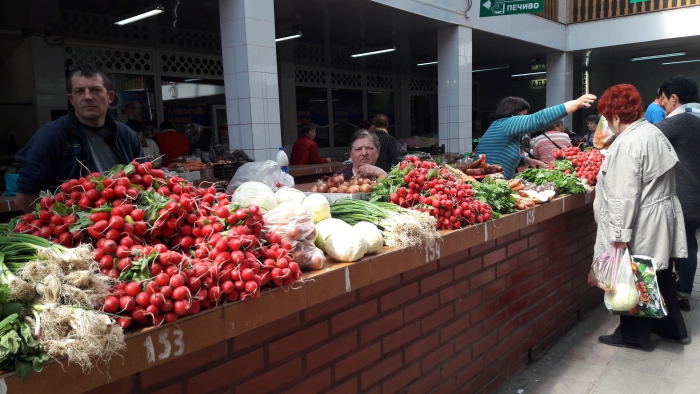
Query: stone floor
(579, 364)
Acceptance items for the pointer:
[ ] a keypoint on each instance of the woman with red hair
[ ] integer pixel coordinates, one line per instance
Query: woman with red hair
(636, 206)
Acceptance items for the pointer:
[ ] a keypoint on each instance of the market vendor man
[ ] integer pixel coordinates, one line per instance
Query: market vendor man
(86, 140)
(364, 151)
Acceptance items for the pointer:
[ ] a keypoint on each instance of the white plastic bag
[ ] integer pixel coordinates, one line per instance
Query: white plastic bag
(625, 296)
(267, 172)
(308, 256)
(604, 269)
(293, 222)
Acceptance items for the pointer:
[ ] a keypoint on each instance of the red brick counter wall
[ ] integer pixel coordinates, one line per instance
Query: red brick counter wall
(463, 323)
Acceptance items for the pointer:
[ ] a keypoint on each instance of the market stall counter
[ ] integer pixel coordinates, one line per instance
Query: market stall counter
(463, 315)
(310, 172)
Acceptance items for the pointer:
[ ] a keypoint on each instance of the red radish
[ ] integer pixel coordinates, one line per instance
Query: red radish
(133, 289)
(157, 299)
(127, 303)
(181, 307)
(152, 288)
(166, 291)
(143, 299)
(167, 306)
(180, 293)
(111, 304)
(124, 322)
(162, 279)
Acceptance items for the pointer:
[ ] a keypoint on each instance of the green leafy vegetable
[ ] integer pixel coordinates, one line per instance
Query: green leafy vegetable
(495, 193)
(568, 184)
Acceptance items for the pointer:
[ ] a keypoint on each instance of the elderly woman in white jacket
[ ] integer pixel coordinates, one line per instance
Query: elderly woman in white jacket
(636, 206)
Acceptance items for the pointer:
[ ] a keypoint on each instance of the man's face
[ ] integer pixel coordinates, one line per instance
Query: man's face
(592, 126)
(363, 151)
(140, 134)
(90, 98)
(311, 134)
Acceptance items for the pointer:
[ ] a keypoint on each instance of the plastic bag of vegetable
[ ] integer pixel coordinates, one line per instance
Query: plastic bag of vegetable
(308, 256)
(267, 172)
(625, 296)
(604, 269)
(651, 302)
(290, 221)
(603, 136)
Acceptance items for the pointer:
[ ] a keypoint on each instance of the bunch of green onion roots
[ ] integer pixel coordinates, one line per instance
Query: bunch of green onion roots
(52, 292)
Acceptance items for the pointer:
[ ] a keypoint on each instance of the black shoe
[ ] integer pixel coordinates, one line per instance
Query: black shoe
(613, 340)
(686, 340)
(684, 304)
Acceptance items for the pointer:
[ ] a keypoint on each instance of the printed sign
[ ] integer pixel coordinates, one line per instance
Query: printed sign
(538, 83)
(183, 114)
(510, 7)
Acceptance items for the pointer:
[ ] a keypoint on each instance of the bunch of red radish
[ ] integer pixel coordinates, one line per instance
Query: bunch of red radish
(174, 249)
(587, 164)
(424, 186)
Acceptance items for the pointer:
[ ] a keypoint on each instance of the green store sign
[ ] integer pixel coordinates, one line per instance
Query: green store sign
(505, 7)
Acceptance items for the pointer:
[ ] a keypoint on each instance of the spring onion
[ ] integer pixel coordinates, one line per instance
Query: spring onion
(401, 228)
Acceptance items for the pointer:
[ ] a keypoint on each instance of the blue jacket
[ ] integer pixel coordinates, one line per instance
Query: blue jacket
(51, 156)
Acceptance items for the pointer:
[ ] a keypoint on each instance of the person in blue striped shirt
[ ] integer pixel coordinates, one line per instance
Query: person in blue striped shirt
(501, 144)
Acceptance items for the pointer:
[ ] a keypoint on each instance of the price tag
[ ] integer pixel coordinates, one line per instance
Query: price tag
(432, 252)
(530, 218)
(319, 170)
(588, 197)
(165, 347)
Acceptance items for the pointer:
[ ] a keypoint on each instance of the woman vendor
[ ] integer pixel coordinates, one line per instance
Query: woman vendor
(305, 150)
(500, 143)
(364, 151)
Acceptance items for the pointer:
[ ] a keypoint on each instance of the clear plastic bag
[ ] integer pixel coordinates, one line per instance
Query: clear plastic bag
(604, 269)
(267, 172)
(308, 256)
(291, 221)
(603, 136)
(625, 296)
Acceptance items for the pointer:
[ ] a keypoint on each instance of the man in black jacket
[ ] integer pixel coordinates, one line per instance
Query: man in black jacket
(682, 128)
(86, 137)
(388, 153)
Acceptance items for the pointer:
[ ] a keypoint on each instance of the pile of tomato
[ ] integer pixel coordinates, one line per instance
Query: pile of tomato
(173, 249)
(424, 186)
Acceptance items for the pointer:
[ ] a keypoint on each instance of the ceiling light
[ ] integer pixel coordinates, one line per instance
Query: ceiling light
(373, 91)
(634, 59)
(684, 61)
(426, 64)
(392, 49)
(159, 9)
(491, 68)
(191, 80)
(288, 37)
(523, 75)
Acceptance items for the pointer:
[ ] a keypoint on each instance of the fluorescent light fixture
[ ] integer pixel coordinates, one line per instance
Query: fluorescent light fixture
(373, 91)
(524, 75)
(159, 9)
(392, 49)
(635, 59)
(288, 37)
(191, 79)
(425, 64)
(684, 61)
(491, 68)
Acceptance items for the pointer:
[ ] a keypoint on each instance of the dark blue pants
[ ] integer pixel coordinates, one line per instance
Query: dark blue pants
(686, 267)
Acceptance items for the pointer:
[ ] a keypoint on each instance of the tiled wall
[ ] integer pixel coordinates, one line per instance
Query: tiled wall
(250, 76)
(463, 323)
(455, 88)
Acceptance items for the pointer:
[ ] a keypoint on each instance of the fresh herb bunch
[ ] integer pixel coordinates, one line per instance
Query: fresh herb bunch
(568, 184)
(495, 193)
(562, 165)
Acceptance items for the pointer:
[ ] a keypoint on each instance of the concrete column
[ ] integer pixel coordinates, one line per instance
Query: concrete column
(455, 88)
(560, 80)
(250, 76)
